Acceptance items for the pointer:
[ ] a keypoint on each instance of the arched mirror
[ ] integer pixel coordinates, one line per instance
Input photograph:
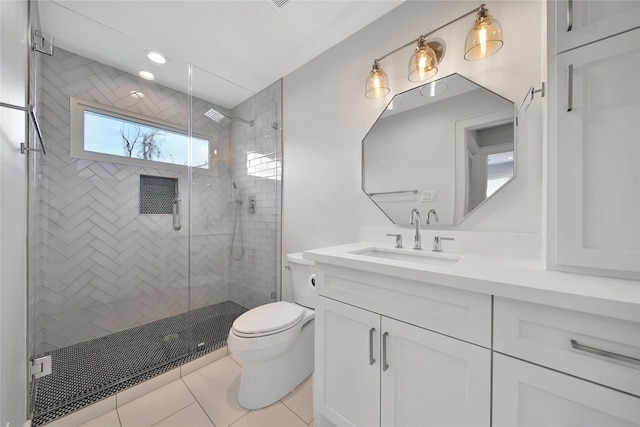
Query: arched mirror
(448, 145)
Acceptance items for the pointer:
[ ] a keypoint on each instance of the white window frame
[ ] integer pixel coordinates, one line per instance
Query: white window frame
(77, 109)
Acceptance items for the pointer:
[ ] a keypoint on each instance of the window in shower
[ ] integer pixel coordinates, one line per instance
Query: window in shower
(107, 134)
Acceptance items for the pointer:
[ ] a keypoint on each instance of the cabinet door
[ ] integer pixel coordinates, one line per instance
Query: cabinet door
(347, 365)
(579, 22)
(430, 379)
(528, 395)
(598, 155)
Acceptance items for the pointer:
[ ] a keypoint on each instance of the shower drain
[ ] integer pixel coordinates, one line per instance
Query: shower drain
(170, 337)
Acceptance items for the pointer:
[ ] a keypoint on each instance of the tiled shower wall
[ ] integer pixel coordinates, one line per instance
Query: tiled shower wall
(100, 267)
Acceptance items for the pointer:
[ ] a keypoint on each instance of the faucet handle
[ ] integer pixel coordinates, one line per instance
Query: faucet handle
(437, 242)
(398, 239)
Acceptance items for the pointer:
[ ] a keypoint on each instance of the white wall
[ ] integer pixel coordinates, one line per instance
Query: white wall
(13, 205)
(326, 116)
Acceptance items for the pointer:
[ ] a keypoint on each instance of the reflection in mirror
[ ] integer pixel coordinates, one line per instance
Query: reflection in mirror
(448, 145)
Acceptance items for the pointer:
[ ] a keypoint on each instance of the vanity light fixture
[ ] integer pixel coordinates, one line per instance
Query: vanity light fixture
(423, 64)
(484, 39)
(377, 84)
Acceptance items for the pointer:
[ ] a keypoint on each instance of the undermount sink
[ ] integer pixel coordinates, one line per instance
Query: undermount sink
(410, 255)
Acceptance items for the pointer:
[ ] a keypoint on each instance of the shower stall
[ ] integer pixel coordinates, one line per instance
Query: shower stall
(154, 219)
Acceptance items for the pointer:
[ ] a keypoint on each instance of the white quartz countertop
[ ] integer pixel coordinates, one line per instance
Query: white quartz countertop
(504, 276)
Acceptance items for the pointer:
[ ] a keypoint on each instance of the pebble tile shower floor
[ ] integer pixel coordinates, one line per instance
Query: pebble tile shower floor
(89, 371)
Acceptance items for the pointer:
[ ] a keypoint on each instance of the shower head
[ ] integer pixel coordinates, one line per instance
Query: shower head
(234, 185)
(217, 116)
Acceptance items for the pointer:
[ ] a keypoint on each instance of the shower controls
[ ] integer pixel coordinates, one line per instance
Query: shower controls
(251, 205)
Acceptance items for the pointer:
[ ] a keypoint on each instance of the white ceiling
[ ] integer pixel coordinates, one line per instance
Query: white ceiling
(237, 47)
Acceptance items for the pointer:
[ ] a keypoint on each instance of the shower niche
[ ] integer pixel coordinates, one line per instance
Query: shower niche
(130, 265)
(158, 195)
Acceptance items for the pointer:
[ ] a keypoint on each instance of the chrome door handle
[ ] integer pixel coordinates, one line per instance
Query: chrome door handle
(371, 359)
(569, 15)
(570, 88)
(577, 346)
(385, 366)
(177, 215)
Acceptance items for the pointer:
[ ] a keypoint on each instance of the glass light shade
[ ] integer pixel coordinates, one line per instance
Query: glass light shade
(484, 38)
(377, 84)
(423, 64)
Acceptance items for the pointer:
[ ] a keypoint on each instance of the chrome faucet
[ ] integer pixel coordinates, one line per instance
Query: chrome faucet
(435, 216)
(415, 219)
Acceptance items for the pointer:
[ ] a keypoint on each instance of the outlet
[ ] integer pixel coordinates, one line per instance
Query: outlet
(429, 196)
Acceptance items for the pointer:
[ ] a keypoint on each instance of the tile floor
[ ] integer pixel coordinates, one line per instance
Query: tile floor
(205, 397)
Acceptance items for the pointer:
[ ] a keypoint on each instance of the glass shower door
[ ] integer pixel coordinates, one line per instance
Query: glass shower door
(109, 230)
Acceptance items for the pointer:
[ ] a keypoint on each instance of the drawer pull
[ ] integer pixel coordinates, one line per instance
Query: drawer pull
(570, 88)
(569, 15)
(385, 365)
(371, 359)
(575, 345)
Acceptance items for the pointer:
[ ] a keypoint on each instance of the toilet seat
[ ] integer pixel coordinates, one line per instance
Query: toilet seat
(268, 319)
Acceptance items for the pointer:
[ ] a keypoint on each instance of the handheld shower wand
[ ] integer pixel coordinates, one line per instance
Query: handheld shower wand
(237, 226)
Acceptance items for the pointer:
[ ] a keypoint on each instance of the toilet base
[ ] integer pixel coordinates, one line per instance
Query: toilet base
(263, 382)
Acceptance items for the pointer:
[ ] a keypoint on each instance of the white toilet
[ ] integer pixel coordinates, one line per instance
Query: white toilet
(275, 341)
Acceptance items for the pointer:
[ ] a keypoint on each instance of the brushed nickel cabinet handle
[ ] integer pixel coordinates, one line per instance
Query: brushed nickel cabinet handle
(385, 366)
(569, 15)
(570, 88)
(371, 359)
(577, 346)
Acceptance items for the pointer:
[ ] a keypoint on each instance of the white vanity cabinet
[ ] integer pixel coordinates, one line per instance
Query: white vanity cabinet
(395, 351)
(489, 341)
(553, 366)
(525, 395)
(346, 378)
(594, 140)
(579, 22)
(373, 370)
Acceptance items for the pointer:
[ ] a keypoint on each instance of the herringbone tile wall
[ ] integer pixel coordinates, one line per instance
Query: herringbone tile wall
(100, 267)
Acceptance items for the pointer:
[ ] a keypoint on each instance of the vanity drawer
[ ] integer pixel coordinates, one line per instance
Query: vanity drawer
(453, 312)
(582, 344)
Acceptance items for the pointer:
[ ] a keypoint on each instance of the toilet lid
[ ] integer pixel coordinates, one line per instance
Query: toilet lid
(269, 318)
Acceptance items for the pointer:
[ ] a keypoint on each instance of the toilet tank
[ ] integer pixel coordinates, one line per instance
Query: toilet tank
(302, 280)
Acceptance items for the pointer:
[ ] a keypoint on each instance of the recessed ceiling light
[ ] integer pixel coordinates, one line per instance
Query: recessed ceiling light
(146, 75)
(156, 57)
(136, 94)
